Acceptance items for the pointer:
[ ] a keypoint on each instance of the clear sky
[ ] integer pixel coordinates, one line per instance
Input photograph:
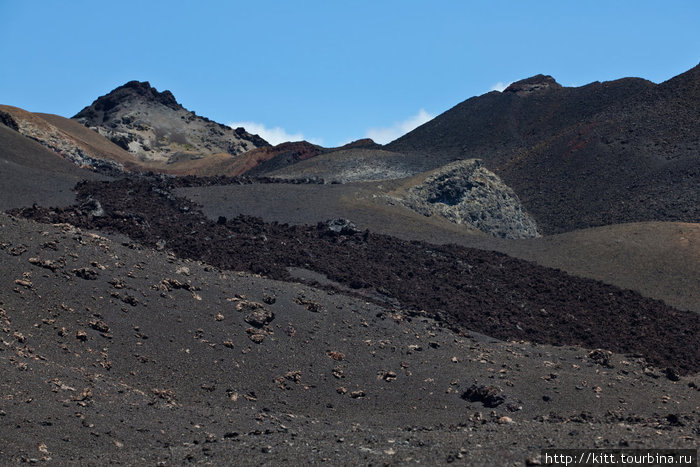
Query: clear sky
(330, 71)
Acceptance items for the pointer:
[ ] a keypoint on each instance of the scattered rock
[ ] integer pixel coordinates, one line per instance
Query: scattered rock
(386, 375)
(99, 325)
(256, 335)
(601, 357)
(46, 263)
(338, 372)
(309, 304)
(24, 283)
(338, 226)
(672, 374)
(167, 395)
(335, 355)
(490, 396)
(86, 273)
(269, 299)
(293, 376)
(260, 317)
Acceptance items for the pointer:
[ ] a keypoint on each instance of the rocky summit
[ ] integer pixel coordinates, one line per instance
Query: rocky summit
(533, 84)
(153, 126)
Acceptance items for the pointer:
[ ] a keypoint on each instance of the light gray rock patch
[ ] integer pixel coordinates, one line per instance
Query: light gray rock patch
(465, 192)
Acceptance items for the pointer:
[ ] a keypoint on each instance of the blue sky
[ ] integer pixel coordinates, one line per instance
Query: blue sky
(330, 71)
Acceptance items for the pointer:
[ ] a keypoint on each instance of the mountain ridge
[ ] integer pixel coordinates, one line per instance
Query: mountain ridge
(617, 151)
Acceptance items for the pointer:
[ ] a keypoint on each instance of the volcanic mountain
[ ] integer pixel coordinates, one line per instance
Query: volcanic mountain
(153, 126)
(604, 153)
(364, 305)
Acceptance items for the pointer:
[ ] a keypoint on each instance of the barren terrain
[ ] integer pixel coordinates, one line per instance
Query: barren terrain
(352, 305)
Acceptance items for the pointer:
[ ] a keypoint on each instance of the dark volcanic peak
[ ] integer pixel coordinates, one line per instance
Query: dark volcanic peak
(102, 108)
(604, 153)
(533, 84)
(364, 143)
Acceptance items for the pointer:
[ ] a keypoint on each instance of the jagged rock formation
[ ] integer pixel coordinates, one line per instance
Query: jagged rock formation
(7, 120)
(153, 126)
(533, 84)
(465, 192)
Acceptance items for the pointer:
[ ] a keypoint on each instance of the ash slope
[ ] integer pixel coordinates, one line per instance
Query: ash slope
(472, 290)
(69, 140)
(114, 353)
(31, 173)
(657, 259)
(600, 154)
(154, 127)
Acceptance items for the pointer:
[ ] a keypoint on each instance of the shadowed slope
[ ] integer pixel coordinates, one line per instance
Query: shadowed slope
(30, 173)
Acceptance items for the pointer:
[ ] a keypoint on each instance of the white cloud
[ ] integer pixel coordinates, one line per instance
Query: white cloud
(398, 129)
(500, 86)
(274, 136)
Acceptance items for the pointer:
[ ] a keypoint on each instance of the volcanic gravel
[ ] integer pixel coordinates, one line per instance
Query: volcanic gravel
(472, 290)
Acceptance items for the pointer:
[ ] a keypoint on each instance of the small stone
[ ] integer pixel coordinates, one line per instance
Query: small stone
(672, 374)
(86, 273)
(257, 338)
(505, 420)
(81, 335)
(99, 325)
(490, 396)
(335, 355)
(260, 317)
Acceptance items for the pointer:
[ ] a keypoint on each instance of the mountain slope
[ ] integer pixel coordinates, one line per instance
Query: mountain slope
(30, 173)
(620, 151)
(70, 140)
(115, 353)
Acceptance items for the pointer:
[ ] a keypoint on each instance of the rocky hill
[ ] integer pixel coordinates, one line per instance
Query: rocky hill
(467, 193)
(600, 154)
(153, 126)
